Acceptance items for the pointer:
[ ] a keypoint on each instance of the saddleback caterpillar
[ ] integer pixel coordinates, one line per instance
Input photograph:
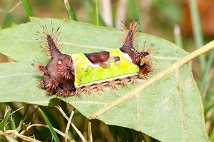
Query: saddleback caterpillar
(66, 75)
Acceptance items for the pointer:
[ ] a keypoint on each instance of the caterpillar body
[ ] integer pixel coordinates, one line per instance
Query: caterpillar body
(66, 75)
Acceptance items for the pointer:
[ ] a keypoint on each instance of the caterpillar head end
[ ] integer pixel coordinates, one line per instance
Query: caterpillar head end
(58, 74)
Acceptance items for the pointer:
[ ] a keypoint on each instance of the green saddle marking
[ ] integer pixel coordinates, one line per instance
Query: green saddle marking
(85, 73)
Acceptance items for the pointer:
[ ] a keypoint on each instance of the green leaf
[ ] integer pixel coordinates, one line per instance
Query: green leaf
(212, 136)
(169, 109)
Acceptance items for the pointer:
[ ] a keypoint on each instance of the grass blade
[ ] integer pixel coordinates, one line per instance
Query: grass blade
(206, 71)
(97, 12)
(12, 124)
(23, 116)
(70, 11)
(212, 137)
(197, 30)
(136, 13)
(100, 18)
(27, 8)
(177, 36)
(55, 137)
(147, 138)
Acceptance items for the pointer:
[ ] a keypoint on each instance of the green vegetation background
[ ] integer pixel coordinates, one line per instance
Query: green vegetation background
(158, 17)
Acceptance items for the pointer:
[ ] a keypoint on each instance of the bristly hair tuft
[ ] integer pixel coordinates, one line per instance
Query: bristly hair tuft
(50, 40)
(40, 67)
(130, 35)
(66, 69)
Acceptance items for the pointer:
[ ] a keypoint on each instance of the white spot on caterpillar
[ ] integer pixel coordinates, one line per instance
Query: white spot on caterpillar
(59, 62)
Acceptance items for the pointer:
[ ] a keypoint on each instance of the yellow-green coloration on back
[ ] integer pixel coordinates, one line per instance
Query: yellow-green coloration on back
(86, 73)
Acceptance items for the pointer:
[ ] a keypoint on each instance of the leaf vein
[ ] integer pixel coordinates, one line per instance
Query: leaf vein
(180, 102)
